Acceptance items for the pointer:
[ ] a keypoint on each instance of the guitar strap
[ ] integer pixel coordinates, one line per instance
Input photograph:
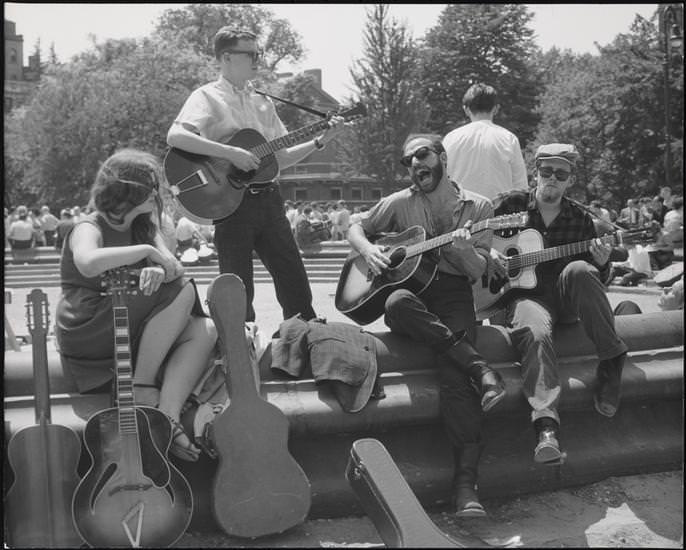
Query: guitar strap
(302, 107)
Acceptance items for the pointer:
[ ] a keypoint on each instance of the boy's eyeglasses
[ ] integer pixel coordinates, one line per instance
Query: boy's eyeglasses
(255, 54)
(560, 175)
(420, 154)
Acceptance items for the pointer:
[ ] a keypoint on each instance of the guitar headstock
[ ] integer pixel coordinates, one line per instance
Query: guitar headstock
(508, 221)
(358, 111)
(37, 313)
(640, 235)
(119, 282)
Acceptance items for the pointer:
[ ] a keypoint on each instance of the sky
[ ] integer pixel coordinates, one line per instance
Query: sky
(331, 33)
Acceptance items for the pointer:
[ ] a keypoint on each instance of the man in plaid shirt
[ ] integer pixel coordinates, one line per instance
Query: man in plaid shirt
(568, 289)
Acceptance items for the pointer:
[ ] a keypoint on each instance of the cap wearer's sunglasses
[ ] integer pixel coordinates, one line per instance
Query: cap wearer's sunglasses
(560, 175)
(420, 154)
(255, 54)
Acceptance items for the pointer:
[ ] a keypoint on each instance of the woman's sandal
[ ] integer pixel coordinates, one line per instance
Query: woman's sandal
(148, 396)
(180, 451)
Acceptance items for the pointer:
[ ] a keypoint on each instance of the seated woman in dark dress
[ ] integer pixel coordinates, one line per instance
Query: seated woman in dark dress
(171, 338)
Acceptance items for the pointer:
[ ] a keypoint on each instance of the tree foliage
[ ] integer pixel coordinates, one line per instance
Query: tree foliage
(386, 78)
(611, 106)
(194, 26)
(489, 43)
(299, 89)
(126, 93)
(120, 94)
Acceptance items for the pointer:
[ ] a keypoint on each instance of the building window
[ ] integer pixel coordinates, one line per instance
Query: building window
(13, 56)
(336, 194)
(356, 193)
(376, 193)
(300, 194)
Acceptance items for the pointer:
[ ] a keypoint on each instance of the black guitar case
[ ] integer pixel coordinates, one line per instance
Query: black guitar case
(390, 503)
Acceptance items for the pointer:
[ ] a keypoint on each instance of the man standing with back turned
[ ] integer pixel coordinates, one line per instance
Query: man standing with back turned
(483, 157)
(211, 114)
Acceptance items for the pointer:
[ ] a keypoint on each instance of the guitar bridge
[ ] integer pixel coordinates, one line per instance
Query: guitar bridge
(193, 181)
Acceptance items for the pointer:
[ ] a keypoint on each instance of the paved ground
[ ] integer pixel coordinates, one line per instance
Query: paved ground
(643, 511)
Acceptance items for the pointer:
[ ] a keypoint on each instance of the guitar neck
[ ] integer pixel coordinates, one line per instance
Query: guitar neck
(290, 139)
(38, 319)
(41, 377)
(124, 371)
(529, 259)
(441, 240)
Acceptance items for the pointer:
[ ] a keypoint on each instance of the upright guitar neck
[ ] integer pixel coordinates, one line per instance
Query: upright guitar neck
(124, 372)
(38, 320)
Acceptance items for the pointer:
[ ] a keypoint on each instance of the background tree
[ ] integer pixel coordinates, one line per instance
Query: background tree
(122, 93)
(119, 93)
(611, 106)
(299, 89)
(489, 43)
(195, 25)
(386, 78)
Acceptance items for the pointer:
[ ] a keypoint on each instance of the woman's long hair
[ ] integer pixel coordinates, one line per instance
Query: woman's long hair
(124, 181)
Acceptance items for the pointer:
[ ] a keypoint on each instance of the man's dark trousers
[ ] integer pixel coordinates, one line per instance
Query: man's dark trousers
(259, 224)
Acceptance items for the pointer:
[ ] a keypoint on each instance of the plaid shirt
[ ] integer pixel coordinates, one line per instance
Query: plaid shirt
(571, 225)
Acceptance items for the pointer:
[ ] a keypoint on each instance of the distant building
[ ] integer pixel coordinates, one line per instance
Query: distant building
(20, 80)
(319, 176)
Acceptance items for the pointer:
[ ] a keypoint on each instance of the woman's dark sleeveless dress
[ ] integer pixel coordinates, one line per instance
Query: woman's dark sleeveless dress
(84, 325)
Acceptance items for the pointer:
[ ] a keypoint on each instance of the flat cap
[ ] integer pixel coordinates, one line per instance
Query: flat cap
(562, 151)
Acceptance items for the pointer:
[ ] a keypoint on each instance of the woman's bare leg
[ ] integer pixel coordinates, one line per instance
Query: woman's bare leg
(186, 364)
(159, 335)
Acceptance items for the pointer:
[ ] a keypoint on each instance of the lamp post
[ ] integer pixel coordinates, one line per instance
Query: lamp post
(671, 35)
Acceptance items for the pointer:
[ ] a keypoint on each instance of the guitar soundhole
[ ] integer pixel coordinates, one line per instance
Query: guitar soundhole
(512, 272)
(397, 257)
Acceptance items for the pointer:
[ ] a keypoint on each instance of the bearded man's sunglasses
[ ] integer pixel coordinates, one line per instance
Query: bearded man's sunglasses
(420, 154)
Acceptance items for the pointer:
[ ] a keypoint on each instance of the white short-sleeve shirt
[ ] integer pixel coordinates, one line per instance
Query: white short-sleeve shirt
(218, 110)
(485, 158)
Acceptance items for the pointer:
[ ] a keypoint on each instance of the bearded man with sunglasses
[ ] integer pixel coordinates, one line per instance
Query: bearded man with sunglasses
(442, 316)
(210, 115)
(569, 289)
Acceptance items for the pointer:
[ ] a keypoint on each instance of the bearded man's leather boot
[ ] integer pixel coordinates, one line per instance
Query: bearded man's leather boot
(608, 390)
(489, 383)
(547, 447)
(465, 498)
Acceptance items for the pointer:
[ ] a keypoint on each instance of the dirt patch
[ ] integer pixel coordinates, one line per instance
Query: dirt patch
(633, 511)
